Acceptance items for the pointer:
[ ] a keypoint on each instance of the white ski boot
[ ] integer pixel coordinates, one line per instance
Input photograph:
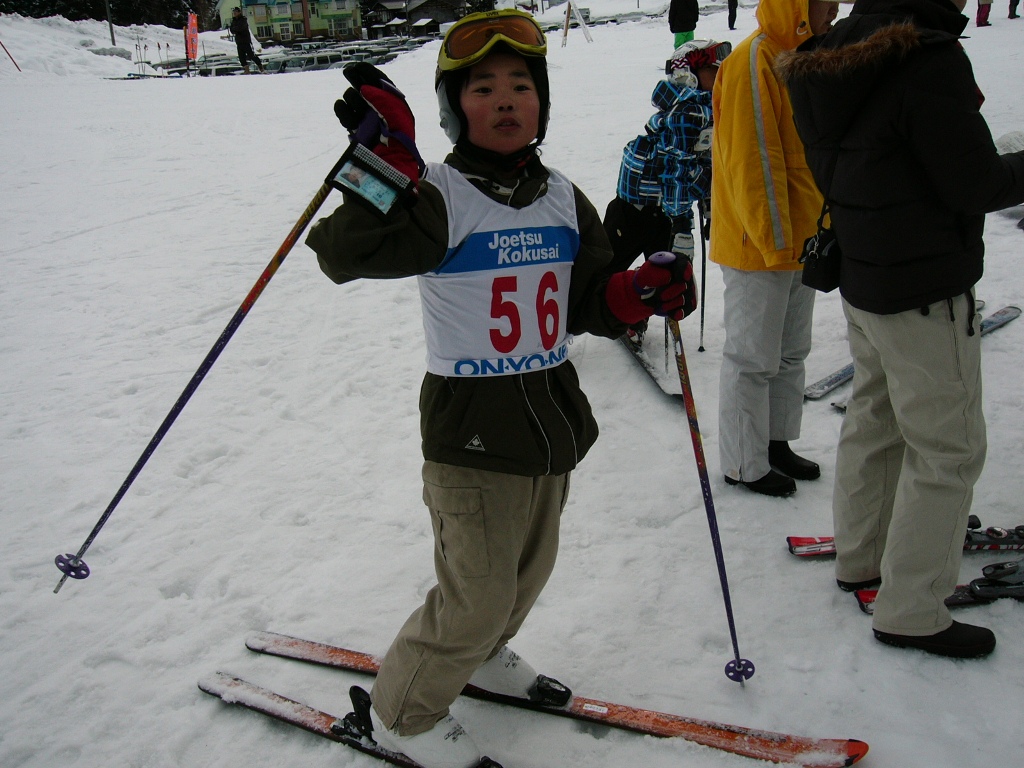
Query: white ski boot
(446, 745)
(509, 674)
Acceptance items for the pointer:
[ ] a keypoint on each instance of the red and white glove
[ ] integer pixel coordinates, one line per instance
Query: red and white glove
(663, 285)
(377, 116)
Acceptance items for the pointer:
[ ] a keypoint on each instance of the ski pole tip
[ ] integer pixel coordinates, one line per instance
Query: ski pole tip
(73, 566)
(739, 670)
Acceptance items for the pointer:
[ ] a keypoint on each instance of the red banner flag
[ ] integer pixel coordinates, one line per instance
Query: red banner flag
(192, 37)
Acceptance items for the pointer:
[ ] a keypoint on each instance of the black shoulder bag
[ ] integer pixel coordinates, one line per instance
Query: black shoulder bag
(821, 255)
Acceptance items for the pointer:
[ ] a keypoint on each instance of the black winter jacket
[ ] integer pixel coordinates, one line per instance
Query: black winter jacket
(888, 100)
(239, 27)
(683, 16)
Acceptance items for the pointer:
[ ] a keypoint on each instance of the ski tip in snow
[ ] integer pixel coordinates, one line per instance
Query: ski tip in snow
(811, 546)
(663, 375)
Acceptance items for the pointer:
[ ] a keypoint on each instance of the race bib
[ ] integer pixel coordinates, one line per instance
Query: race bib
(498, 303)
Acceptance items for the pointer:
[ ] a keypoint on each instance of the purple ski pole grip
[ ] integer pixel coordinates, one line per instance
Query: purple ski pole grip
(662, 259)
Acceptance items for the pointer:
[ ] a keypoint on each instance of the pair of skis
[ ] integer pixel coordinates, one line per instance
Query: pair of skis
(977, 539)
(999, 580)
(749, 742)
(823, 386)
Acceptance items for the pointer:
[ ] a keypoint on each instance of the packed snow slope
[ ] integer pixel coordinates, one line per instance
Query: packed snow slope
(136, 216)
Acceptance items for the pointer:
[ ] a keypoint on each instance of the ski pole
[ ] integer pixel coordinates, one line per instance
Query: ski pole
(703, 273)
(72, 564)
(738, 669)
(9, 56)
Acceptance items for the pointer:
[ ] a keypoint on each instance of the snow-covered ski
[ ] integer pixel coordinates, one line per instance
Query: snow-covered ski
(749, 742)
(991, 539)
(657, 361)
(235, 690)
(823, 386)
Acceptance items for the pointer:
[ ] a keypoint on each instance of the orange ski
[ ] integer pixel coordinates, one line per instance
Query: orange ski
(749, 742)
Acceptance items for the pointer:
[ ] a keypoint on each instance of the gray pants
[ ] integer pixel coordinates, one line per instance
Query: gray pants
(495, 542)
(911, 448)
(768, 319)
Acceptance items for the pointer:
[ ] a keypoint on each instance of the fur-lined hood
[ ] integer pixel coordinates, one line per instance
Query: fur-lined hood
(831, 77)
(888, 45)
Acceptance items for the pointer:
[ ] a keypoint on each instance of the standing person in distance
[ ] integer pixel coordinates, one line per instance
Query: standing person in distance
(667, 169)
(984, 8)
(908, 184)
(682, 20)
(765, 205)
(511, 260)
(733, 5)
(239, 27)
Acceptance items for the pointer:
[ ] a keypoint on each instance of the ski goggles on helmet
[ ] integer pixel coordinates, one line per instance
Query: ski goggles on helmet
(472, 37)
(709, 56)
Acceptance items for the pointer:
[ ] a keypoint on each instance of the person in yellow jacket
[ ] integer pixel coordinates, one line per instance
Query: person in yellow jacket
(764, 205)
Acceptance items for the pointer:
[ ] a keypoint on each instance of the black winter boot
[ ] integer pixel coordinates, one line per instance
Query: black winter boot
(961, 641)
(782, 458)
(772, 484)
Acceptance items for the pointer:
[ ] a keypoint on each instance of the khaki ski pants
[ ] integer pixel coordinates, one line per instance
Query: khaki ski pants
(495, 542)
(911, 448)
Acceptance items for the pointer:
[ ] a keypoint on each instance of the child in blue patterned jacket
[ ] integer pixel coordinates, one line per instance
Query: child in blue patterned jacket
(668, 168)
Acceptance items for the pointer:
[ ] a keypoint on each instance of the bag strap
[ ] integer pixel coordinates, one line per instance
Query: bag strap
(824, 202)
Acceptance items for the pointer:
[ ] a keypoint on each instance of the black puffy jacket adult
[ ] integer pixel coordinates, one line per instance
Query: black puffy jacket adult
(889, 112)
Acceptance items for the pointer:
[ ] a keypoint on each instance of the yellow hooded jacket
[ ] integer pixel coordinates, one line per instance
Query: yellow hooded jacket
(764, 202)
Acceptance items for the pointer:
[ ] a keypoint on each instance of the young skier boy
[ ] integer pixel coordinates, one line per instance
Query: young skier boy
(666, 170)
(511, 260)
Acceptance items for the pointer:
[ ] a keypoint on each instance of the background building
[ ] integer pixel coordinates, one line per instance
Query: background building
(299, 21)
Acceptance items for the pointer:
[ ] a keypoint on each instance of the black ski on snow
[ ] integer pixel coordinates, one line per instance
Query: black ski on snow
(991, 539)
(749, 742)
(235, 690)
(664, 372)
(999, 580)
(822, 387)
(962, 595)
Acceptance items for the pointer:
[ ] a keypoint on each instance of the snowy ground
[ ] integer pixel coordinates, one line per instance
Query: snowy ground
(135, 217)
